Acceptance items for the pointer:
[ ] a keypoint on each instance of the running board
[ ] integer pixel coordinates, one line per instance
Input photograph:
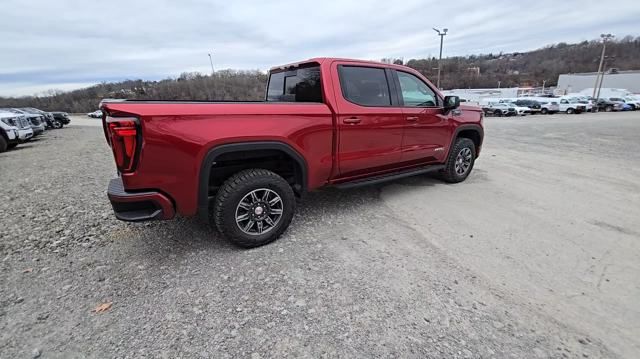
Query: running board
(389, 177)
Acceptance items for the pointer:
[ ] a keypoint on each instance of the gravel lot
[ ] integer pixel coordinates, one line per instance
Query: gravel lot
(536, 255)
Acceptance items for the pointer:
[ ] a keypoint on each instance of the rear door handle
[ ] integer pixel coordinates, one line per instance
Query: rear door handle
(352, 120)
(412, 118)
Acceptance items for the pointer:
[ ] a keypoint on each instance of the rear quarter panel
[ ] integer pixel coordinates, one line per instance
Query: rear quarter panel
(177, 137)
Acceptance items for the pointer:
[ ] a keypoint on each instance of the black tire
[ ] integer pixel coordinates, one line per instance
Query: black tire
(608, 109)
(497, 113)
(450, 173)
(11, 146)
(234, 190)
(570, 111)
(57, 124)
(3, 144)
(544, 111)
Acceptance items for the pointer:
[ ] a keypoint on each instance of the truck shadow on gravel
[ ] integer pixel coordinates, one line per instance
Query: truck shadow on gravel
(324, 207)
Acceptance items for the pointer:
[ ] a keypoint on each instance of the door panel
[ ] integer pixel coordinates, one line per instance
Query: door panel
(372, 144)
(426, 128)
(425, 135)
(370, 128)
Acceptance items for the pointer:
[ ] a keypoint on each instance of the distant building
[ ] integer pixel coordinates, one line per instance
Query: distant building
(571, 83)
(490, 94)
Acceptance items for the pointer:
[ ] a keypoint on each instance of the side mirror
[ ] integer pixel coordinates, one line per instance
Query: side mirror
(451, 103)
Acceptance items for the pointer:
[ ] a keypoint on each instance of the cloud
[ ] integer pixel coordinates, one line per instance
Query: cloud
(63, 44)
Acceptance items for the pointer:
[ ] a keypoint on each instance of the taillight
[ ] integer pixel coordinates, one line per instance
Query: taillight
(123, 133)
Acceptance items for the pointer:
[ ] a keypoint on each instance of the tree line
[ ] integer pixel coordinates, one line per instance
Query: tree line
(531, 68)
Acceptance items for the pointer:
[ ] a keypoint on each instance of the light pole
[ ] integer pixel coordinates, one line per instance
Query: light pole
(211, 61)
(605, 38)
(441, 34)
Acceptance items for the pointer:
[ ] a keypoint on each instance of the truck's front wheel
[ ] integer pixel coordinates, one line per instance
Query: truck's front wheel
(254, 207)
(460, 162)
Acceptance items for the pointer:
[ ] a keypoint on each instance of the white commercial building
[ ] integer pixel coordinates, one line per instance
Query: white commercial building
(629, 80)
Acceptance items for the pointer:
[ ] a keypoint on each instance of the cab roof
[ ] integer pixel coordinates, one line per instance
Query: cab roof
(321, 60)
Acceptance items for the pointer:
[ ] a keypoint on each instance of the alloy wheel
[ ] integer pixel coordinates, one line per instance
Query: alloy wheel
(259, 211)
(463, 161)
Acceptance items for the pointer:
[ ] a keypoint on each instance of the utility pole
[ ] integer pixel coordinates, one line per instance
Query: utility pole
(441, 34)
(211, 61)
(605, 38)
(543, 83)
(604, 72)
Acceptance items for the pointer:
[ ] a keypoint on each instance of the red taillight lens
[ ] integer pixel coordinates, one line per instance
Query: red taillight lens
(123, 138)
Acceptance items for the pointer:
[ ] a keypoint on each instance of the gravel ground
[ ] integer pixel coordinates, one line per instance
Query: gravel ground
(358, 274)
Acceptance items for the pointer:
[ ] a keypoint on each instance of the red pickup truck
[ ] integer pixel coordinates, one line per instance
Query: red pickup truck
(324, 122)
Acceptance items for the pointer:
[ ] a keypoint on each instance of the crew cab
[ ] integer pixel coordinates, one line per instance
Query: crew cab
(324, 122)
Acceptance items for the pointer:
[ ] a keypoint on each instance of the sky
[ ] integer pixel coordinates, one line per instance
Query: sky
(65, 45)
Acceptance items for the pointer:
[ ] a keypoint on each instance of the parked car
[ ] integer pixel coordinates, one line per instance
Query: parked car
(60, 119)
(547, 106)
(633, 102)
(534, 106)
(588, 101)
(246, 173)
(48, 116)
(499, 109)
(571, 106)
(21, 124)
(37, 120)
(627, 107)
(520, 110)
(95, 114)
(8, 133)
(608, 105)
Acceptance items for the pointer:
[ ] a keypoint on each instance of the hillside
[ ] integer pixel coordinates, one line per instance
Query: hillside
(474, 71)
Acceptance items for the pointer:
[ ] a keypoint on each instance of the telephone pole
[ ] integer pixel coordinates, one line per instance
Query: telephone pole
(441, 34)
(599, 75)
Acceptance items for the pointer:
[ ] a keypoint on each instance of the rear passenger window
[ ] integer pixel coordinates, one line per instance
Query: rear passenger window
(298, 85)
(365, 86)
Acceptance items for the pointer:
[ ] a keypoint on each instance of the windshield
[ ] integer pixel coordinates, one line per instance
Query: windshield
(297, 85)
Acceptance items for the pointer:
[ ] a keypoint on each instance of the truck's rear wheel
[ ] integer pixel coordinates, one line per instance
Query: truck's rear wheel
(460, 161)
(254, 207)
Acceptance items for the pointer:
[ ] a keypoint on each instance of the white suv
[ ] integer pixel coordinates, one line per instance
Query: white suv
(571, 105)
(520, 110)
(16, 124)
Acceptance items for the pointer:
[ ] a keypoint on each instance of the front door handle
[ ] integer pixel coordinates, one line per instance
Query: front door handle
(352, 120)
(412, 118)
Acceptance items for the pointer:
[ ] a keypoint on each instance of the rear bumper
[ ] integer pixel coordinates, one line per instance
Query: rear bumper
(138, 206)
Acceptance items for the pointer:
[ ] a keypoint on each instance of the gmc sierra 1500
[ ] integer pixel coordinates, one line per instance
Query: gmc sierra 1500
(324, 122)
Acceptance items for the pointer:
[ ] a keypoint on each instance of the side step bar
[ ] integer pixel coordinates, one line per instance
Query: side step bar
(390, 177)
